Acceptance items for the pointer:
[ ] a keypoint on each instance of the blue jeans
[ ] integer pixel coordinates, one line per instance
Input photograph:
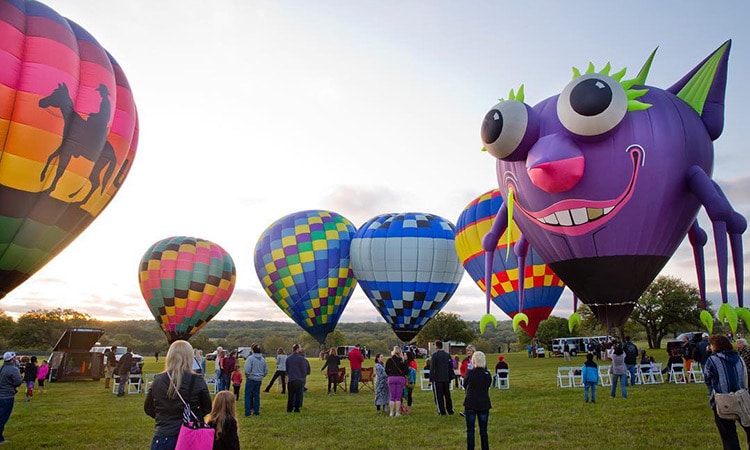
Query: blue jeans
(631, 369)
(163, 442)
(484, 417)
(123, 380)
(252, 397)
(589, 386)
(354, 385)
(224, 382)
(623, 382)
(6, 407)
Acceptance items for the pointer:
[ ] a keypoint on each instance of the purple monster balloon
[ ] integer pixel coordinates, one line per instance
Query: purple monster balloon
(607, 178)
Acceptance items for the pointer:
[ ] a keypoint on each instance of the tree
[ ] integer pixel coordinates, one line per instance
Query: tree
(668, 306)
(40, 329)
(6, 328)
(552, 328)
(445, 327)
(335, 338)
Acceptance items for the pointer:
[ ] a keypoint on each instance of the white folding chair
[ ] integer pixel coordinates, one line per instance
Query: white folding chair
(503, 378)
(148, 382)
(134, 383)
(656, 376)
(564, 378)
(696, 373)
(677, 374)
(116, 381)
(211, 383)
(424, 380)
(643, 374)
(576, 376)
(605, 378)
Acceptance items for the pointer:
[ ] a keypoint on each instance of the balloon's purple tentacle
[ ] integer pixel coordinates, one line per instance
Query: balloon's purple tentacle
(521, 249)
(724, 219)
(698, 238)
(489, 244)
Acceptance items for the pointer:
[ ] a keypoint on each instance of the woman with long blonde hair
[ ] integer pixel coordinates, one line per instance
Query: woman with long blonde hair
(163, 402)
(223, 419)
(396, 369)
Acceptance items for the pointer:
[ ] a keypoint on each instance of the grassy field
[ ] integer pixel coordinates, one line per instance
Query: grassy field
(533, 414)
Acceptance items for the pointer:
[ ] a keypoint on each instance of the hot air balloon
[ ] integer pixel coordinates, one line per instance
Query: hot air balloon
(68, 135)
(542, 287)
(408, 267)
(185, 282)
(302, 261)
(607, 178)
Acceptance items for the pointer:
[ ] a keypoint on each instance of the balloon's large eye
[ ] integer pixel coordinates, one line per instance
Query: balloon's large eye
(509, 129)
(592, 104)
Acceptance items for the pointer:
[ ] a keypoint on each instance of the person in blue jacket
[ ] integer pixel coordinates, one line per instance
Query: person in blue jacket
(590, 376)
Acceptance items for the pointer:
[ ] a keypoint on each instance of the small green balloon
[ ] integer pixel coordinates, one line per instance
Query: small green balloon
(575, 319)
(726, 312)
(518, 318)
(486, 319)
(707, 320)
(744, 315)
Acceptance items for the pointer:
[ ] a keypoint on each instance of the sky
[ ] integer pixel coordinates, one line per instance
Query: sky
(251, 110)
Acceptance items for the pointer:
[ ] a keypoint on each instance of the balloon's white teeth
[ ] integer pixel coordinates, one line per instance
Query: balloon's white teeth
(576, 216)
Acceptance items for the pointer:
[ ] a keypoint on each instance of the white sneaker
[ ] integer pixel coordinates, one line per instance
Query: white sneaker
(398, 414)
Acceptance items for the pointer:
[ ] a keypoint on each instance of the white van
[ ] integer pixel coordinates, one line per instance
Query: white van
(576, 344)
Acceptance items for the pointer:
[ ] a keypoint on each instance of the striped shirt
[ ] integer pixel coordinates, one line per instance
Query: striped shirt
(724, 373)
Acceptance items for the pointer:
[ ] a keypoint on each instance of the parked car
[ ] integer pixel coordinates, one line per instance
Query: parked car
(677, 342)
(211, 356)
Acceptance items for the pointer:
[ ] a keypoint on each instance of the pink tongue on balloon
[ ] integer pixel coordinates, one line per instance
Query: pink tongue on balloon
(557, 176)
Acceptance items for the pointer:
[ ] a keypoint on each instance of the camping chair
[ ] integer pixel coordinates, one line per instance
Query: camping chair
(367, 378)
(424, 380)
(341, 378)
(564, 378)
(503, 378)
(604, 376)
(677, 374)
(643, 374)
(696, 373)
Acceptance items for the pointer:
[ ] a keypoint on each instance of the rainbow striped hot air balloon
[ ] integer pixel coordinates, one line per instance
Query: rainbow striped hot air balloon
(542, 287)
(185, 282)
(408, 267)
(68, 135)
(302, 261)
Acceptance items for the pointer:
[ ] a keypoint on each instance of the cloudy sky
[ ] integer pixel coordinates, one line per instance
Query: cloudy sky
(250, 110)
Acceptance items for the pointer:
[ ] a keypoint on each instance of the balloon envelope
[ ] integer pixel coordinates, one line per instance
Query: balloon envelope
(185, 282)
(302, 261)
(68, 134)
(542, 288)
(408, 267)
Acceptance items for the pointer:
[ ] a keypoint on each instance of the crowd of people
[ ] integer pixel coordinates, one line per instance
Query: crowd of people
(183, 382)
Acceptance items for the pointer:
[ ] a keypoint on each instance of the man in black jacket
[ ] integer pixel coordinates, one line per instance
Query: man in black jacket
(123, 370)
(441, 374)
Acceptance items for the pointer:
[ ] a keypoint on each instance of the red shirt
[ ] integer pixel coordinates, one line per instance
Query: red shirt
(355, 359)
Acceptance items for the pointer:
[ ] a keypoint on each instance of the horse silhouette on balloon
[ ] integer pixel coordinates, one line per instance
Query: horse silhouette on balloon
(82, 138)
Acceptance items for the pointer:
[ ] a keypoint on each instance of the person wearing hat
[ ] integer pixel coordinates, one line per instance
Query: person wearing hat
(355, 364)
(501, 364)
(10, 379)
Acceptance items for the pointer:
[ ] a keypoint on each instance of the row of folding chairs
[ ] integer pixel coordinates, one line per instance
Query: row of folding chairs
(645, 374)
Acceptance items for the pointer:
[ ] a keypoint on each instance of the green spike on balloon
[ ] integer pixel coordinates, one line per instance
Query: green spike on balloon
(486, 319)
(575, 319)
(744, 315)
(707, 320)
(518, 318)
(726, 312)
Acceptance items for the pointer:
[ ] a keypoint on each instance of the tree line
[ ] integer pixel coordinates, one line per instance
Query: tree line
(669, 306)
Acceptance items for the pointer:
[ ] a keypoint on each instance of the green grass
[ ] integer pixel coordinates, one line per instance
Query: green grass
(533, 414)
